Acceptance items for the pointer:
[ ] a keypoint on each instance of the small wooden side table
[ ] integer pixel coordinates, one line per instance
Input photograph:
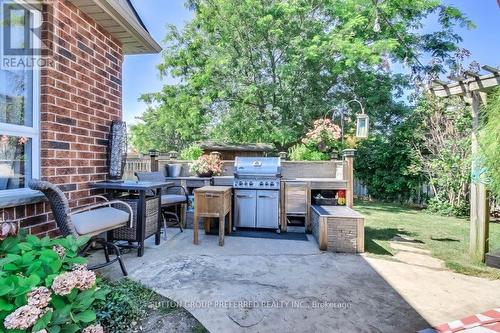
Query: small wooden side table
(210, 202)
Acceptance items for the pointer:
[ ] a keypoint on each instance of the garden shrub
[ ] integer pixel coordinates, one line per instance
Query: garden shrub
(443, 207)
(45, 287)
(191, 153)
(301, 152)
(127, 304)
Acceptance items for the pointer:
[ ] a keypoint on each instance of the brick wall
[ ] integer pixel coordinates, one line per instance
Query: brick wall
(80, 97)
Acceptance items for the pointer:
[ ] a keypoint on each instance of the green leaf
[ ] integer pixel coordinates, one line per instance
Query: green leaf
(72, 328)
(101, 293)
(9, 245)
(48, 255)
(25, 246)
(61, 315)
(42, 322)
(20, 300)
(54, 329)
(5, 288)
(76, 260)
(10, 267)
(5, 305)
(55, 266)
(33, 240)
(58, 302)
(35, 266)
(86, 316)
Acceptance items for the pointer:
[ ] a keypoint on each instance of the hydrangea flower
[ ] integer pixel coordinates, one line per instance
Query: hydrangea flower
(59, 250)
(93, 329)
(22, 318)
(80, 278)
(39, 297)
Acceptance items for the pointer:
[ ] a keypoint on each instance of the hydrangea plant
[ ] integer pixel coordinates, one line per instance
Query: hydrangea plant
(45, 286)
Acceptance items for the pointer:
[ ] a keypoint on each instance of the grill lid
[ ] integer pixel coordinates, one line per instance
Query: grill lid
(257, 166)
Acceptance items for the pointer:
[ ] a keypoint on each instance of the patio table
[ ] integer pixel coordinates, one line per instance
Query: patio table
(146, 191)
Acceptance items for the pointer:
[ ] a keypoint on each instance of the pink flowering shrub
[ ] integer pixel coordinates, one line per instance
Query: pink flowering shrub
(207, 165)
(319, 143)
(324, 135)
(46, 287)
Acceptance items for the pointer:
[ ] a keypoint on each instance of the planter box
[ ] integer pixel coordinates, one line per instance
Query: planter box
(338, 229)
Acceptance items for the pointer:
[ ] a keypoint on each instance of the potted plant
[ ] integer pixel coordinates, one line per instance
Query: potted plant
(207, 166)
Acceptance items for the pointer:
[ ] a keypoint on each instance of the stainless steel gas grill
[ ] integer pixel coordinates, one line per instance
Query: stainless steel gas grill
(257, 192)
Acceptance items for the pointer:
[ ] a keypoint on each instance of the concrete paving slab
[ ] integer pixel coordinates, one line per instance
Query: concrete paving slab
(268, 285)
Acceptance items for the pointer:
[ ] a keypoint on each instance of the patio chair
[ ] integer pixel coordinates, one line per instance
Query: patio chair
(88, 221)
(169, 198)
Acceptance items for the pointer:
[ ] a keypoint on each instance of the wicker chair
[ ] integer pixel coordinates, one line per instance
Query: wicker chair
(89, 221)
(168, 198)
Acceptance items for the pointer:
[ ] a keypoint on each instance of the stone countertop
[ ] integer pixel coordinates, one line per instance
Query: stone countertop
(312, 180)
(188, 178)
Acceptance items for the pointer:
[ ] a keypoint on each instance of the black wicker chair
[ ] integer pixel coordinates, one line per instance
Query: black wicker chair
(90, 221)
(169, 199)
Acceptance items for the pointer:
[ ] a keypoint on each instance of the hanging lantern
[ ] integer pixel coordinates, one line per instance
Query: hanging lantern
(362, 125)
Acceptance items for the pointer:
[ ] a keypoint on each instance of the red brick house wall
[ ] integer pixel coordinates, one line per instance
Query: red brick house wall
(80, 97)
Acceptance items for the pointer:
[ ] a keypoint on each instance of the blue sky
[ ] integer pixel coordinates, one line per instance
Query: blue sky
(140, 74)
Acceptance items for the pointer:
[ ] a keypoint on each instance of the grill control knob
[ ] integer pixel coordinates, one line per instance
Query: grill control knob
(271, 184)
(261, 183)
(241, 182)
(267, 183)
(251, 183)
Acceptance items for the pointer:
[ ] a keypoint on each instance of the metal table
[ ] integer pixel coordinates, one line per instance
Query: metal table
(141, 188)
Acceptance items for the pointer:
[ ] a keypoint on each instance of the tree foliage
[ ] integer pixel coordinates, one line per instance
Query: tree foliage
(445, 151)
(490, 141)
(264, 70)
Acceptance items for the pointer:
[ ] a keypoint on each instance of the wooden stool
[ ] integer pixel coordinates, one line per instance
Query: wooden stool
(209, 202)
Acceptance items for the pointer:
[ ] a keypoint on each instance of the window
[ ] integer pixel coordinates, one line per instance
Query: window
(19, 101)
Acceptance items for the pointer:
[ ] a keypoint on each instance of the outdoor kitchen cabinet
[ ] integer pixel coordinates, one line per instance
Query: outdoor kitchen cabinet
(245, 208)
(295, 201)
(296, 198)
(257, 209)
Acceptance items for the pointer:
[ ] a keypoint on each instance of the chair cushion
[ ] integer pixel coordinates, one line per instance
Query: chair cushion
(99, 220)
(171, 199)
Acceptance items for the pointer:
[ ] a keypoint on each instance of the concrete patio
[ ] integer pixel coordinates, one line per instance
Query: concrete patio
(268, 285)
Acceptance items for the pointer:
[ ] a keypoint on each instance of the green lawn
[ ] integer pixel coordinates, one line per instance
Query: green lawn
(446, 237)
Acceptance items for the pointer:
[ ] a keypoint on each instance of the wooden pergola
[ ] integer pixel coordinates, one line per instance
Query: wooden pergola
(473, 88)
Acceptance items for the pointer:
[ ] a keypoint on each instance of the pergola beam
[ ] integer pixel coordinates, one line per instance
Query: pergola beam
(472, 74)
(490, 69)
(481, 83)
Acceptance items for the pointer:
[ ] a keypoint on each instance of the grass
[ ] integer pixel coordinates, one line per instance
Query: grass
(446, 237)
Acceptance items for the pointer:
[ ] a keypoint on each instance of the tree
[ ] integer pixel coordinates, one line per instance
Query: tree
(444, 151)
(264, 70)
(389, 166)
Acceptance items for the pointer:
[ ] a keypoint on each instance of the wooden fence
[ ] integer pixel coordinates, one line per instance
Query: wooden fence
(420, 196)
(136, 164)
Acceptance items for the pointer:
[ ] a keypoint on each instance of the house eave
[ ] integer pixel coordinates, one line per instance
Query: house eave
(121, 24)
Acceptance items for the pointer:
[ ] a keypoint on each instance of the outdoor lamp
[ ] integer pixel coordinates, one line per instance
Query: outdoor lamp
(362, 124)
(362, 121)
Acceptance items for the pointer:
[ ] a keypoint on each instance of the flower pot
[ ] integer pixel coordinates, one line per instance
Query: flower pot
(206, 174)
(174, 170)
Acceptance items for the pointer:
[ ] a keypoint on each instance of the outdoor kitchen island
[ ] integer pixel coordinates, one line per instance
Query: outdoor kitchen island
(273, 194)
